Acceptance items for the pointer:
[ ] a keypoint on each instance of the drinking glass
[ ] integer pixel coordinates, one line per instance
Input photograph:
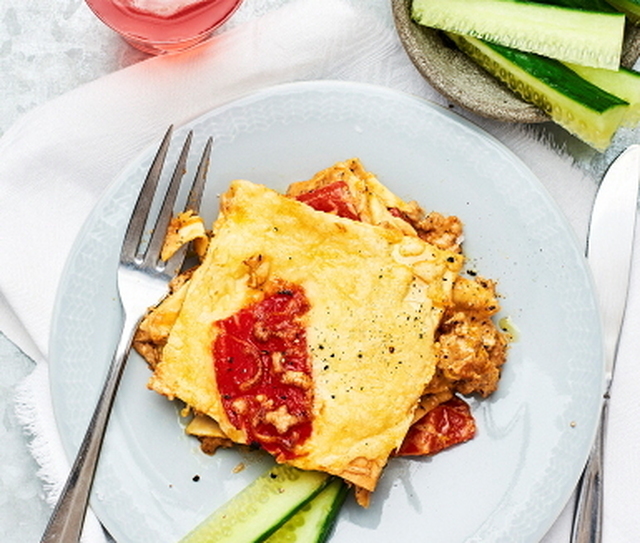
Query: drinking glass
(164, 26)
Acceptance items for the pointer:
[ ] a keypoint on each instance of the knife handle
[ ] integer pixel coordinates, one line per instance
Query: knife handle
(587, 518)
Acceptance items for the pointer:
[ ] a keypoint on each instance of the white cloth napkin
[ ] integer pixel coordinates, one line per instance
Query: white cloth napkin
(56, 161)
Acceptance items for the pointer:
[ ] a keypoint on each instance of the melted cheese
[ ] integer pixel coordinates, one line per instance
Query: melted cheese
(376, 296)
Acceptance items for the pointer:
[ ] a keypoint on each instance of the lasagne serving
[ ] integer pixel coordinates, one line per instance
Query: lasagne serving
(331, 326)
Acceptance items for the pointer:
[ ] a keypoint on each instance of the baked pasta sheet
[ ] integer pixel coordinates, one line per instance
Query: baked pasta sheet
(332, 326)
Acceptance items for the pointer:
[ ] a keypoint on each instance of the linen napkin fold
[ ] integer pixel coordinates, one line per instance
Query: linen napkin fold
(57, 160)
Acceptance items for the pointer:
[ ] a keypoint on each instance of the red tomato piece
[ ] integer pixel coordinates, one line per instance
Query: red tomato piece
(263, 371)
(447, 424)
(335, 198)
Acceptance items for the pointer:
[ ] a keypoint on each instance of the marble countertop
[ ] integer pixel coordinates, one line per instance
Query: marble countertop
(23, 512)
(45, 51)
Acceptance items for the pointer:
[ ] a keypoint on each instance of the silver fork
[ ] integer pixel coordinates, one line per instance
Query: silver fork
(142, 282)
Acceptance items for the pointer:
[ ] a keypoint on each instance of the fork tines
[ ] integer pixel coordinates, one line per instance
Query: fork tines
(132, 242)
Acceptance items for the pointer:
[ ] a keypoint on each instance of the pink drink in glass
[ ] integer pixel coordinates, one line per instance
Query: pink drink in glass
(159, 26)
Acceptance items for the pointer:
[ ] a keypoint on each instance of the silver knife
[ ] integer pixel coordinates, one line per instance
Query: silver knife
(609, 252)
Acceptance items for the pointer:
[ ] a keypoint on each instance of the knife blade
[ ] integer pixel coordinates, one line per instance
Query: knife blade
(610, 246)
(609, 253)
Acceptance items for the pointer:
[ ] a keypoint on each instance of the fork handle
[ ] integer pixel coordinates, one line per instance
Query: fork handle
(67, 519)
(587, 519)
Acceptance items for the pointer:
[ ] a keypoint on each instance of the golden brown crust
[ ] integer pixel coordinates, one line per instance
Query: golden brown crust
(153, 331)
(354, 281)
(362, 495)
(432, 400)
(362, 472)
(182, 229)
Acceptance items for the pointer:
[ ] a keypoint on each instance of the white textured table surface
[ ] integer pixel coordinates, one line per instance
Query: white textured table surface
(23, 512)
(50, 47)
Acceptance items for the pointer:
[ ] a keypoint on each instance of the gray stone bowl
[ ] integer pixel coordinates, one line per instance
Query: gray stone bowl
(462, 82)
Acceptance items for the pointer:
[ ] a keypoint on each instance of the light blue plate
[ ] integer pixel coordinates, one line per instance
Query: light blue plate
(510, 483)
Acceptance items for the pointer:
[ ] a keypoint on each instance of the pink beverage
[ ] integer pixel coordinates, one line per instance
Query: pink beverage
(159, 26)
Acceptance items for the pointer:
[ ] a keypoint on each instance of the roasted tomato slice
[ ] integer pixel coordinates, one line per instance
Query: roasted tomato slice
(333, 198)
(447, 424)
(263, 371)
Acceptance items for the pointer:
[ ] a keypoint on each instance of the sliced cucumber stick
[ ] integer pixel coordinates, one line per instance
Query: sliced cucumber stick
(261, 508)
(313, 523)
(572, 35)
(582, 108)
(623, 83)
(630, 7)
